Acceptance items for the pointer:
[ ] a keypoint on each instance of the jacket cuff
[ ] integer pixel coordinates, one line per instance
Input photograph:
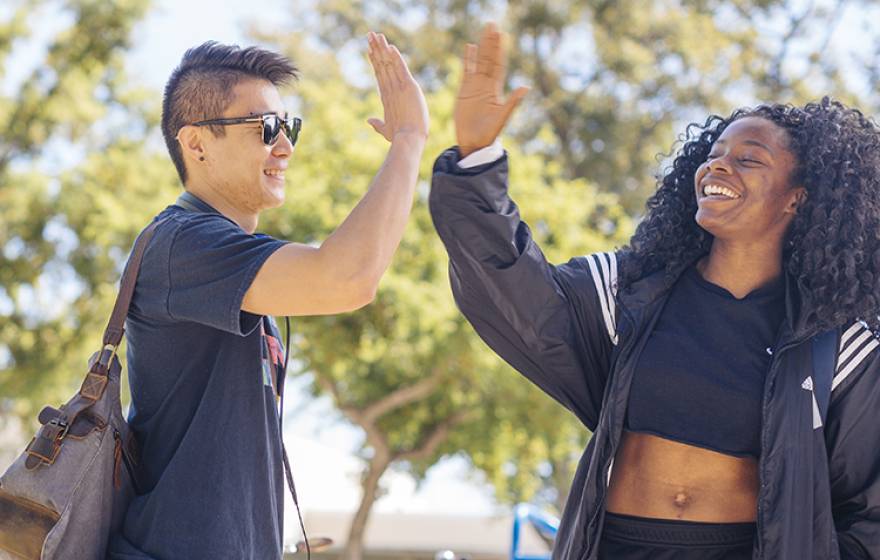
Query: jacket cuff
(448, 164)
(489, 154)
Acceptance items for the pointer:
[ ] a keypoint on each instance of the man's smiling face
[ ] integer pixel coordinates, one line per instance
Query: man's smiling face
(250, 172)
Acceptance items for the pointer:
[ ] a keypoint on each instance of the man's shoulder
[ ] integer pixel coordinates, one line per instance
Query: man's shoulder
(179, 225)
(174, 218)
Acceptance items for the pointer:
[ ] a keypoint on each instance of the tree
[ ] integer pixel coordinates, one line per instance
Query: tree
(68, 221)
(614, 82)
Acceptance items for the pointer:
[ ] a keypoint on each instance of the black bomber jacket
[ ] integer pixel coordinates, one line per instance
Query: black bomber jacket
(568, 330)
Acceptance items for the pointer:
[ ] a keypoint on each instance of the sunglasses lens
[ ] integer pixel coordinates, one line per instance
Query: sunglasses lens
(271, 128)
(272, 125)
(291, 128)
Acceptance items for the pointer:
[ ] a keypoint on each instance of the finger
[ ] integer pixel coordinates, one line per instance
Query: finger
(371, 49)
(398, 68)
(496, 52)
(383, 42)
(498, 70)
(378, 125)
(469, 60)
(386, 60)
(375, 56)
(387, 71)
(487, 48)
(377, 70)
(371, 43)
(512, 102)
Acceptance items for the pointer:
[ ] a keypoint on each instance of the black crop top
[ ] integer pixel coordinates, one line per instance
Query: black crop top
(700, 378)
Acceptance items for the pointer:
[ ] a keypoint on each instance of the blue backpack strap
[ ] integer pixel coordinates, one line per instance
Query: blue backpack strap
(824, 365)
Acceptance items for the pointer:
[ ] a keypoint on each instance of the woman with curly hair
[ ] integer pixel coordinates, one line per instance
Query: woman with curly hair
(726, 360)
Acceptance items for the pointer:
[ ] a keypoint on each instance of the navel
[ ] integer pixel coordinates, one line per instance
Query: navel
(681, 500)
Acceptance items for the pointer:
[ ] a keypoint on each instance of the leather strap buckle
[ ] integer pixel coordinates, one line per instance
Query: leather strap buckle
(109, 351)
(45, 446)
(60, 427)
(99, 373)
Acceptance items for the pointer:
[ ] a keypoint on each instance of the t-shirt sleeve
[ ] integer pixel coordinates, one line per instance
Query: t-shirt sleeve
(211, 265)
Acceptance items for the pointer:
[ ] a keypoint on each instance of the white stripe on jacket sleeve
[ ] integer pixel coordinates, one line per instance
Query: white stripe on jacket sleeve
(603, 269)
(856, 327)
(856, 344)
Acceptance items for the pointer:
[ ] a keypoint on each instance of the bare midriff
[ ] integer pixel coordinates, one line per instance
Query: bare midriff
(664, 479)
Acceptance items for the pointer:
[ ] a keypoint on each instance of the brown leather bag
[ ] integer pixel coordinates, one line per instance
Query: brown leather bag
(70, 488)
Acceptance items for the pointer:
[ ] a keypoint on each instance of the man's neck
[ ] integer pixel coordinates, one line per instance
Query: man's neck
(245, 220)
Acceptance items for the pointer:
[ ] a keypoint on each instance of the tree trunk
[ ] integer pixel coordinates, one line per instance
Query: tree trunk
(354, 547)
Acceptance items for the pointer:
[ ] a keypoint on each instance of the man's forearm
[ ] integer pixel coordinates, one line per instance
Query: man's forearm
(361, 248)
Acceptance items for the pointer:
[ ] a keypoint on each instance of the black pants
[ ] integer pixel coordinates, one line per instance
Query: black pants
(626, 537)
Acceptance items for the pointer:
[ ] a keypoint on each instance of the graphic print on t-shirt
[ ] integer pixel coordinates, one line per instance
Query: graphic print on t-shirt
(273, 360)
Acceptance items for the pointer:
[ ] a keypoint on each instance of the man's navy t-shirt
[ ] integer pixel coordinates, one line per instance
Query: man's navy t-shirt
(204, 403)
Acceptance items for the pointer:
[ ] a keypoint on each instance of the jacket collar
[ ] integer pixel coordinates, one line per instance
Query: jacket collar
(655, 287)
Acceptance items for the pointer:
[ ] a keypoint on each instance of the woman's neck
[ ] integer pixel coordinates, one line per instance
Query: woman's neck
(741, 268)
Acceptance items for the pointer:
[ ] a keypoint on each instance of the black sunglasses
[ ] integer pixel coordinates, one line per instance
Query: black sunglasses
(272, 126)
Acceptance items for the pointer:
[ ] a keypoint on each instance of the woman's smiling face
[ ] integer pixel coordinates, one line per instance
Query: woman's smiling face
(744, 190)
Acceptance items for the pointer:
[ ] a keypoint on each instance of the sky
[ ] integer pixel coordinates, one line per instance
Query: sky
(171, 27)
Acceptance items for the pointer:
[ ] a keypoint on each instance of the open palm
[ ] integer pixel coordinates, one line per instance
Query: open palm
(480, 110)
(403, 102)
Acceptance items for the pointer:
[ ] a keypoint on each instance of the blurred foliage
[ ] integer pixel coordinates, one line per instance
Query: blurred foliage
(614, 80)
(67, 227)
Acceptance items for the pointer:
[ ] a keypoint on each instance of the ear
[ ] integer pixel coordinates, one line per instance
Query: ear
(191, 143)
(798, 197)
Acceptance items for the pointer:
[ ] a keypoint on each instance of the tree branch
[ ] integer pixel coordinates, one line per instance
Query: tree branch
(400, 397)
(429, 445)
(352, 413)
(795, 22)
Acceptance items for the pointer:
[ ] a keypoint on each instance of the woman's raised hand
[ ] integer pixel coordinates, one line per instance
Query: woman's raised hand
(480, 111)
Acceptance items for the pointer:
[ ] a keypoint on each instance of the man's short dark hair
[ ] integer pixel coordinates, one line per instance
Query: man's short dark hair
(201, 87)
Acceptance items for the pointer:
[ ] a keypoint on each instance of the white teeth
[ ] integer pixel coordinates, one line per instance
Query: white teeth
(709, 190)
(274, 172)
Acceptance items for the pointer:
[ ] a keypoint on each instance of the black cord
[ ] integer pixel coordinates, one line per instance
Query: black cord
(287, 472)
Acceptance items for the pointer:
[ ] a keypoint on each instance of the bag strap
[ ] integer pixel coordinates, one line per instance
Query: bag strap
(824, 366)
(46, 444)
(96, 379)
(116, 326)
(191, 202)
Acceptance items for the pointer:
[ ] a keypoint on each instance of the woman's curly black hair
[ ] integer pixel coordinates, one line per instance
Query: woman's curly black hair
(833, 244)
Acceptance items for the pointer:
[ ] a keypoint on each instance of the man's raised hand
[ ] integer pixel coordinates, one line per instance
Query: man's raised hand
(480, 110)
(402, 100)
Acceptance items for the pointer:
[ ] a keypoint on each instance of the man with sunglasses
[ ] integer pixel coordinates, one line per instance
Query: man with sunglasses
(205, 363)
